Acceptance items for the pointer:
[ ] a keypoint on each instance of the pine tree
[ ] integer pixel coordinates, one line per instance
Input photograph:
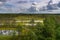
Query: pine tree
(38, 31)
(49, 30)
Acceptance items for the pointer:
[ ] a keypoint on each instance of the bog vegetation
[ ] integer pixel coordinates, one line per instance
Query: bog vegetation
(48, 30)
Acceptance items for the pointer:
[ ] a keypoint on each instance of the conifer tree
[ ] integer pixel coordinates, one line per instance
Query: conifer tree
(49, 30)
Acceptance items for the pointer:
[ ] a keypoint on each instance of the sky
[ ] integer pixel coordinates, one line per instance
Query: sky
(19, 6)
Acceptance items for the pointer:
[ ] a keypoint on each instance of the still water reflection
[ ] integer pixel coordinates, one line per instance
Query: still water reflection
(8, 32)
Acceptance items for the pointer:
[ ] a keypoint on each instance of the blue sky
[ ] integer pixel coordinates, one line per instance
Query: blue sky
(15, 6)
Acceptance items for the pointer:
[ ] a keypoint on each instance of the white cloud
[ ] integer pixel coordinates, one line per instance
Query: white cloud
(24, 6)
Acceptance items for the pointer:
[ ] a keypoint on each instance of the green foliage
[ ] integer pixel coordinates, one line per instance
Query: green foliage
(5, 37)
(49, 30)
(38, 31)
(58, 33)
(14, 37)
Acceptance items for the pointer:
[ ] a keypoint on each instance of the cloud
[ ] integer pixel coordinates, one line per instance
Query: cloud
(18, 6)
